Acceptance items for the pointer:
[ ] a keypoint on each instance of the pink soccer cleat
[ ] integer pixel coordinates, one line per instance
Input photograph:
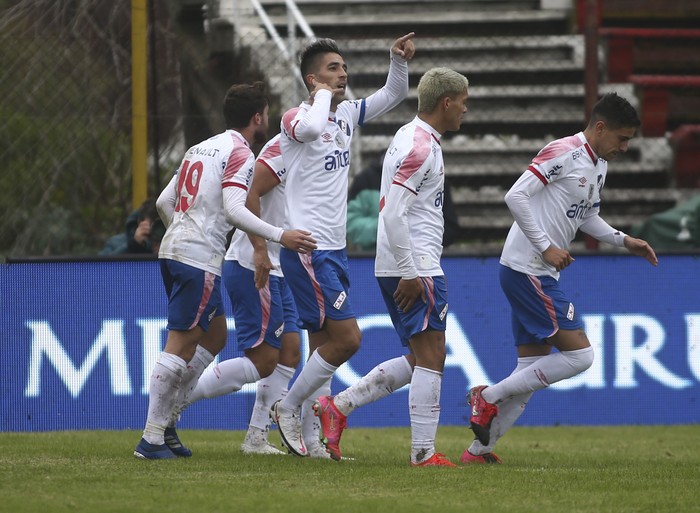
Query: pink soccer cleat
(332, 424)
(488, 458)
(436, 460)
(481, 414)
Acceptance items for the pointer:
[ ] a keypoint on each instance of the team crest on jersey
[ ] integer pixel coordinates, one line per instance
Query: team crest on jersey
(344, 126)
(570, 313)
(591, 188)
(279, 331)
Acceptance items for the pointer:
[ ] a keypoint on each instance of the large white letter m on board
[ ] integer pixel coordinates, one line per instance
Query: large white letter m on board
(47, 346)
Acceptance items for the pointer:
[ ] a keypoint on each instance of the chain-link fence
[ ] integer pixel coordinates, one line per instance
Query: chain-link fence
(66, 118)
(65, 122)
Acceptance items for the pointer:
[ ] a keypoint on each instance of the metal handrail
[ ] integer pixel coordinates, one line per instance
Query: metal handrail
(294, 15)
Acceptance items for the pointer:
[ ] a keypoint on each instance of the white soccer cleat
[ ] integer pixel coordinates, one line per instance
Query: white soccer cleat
(318, 451)
(256, 443)
(289, 426)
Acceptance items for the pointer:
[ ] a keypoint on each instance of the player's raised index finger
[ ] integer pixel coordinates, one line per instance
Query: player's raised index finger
(405, 38)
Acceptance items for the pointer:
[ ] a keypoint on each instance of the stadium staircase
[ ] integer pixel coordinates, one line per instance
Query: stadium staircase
(525, 64)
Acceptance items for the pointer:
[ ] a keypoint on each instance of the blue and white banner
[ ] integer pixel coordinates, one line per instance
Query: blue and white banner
(79, 340)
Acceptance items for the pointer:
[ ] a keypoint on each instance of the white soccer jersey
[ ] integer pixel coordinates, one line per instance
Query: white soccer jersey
(316, 150)
(271, 210)
(409, 235)
(196, 233)
(558, 193)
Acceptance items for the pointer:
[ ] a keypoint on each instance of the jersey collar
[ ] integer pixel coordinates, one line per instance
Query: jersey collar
(437, 135)
(236, 133)
(594, 158)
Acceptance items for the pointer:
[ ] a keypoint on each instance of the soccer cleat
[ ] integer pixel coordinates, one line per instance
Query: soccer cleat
(488, 458)
(332, 424)
(318, 451)
(289, 426)
(257, 443)
(147, 451)
(436, 460)
(481, 414)
(175, 445)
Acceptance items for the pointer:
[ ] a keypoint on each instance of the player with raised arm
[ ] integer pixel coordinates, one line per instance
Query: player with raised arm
(315, 144)
(407, 267)
(205, 197)
(559, 194)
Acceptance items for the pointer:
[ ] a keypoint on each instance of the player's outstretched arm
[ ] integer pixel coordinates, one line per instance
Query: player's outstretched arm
(641, 248)
(300, 241)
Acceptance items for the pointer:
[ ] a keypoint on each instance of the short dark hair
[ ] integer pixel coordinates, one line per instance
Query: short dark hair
(615, 111)
(308, 57)
(242, 102)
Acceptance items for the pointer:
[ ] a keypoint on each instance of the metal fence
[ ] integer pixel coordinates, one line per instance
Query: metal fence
(65, 119)
(65, 122)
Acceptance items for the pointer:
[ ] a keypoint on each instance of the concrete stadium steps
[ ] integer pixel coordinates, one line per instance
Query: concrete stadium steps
(493, 161)
(495, 57)
(338, 18)
(483, 215)
(526, 72)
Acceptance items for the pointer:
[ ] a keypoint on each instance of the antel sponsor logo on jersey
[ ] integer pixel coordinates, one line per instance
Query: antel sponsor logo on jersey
(337, 160)
(578, 211)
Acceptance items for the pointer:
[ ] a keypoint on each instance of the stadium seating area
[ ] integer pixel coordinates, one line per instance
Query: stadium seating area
(526, 68)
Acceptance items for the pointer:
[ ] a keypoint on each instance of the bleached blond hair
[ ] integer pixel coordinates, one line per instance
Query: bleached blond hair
(437, 83)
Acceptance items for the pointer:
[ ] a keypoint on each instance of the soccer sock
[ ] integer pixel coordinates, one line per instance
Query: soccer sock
(310, 423)
(315, 373)
(166, 379)
(377, 383)
(424, 408)
(269, 389)
(228, 376)
(200, 361)
(545, 371)
(509, 410)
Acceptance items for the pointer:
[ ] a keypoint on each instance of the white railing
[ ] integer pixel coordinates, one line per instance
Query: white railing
(291, 84)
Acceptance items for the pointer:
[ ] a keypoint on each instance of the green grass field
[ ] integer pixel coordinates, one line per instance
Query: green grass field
(558, 469)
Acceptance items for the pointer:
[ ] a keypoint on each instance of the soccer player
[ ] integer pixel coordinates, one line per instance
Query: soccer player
(315, 144)
(559, 194)
(199, 205)
(407, 267)
(266, 318)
